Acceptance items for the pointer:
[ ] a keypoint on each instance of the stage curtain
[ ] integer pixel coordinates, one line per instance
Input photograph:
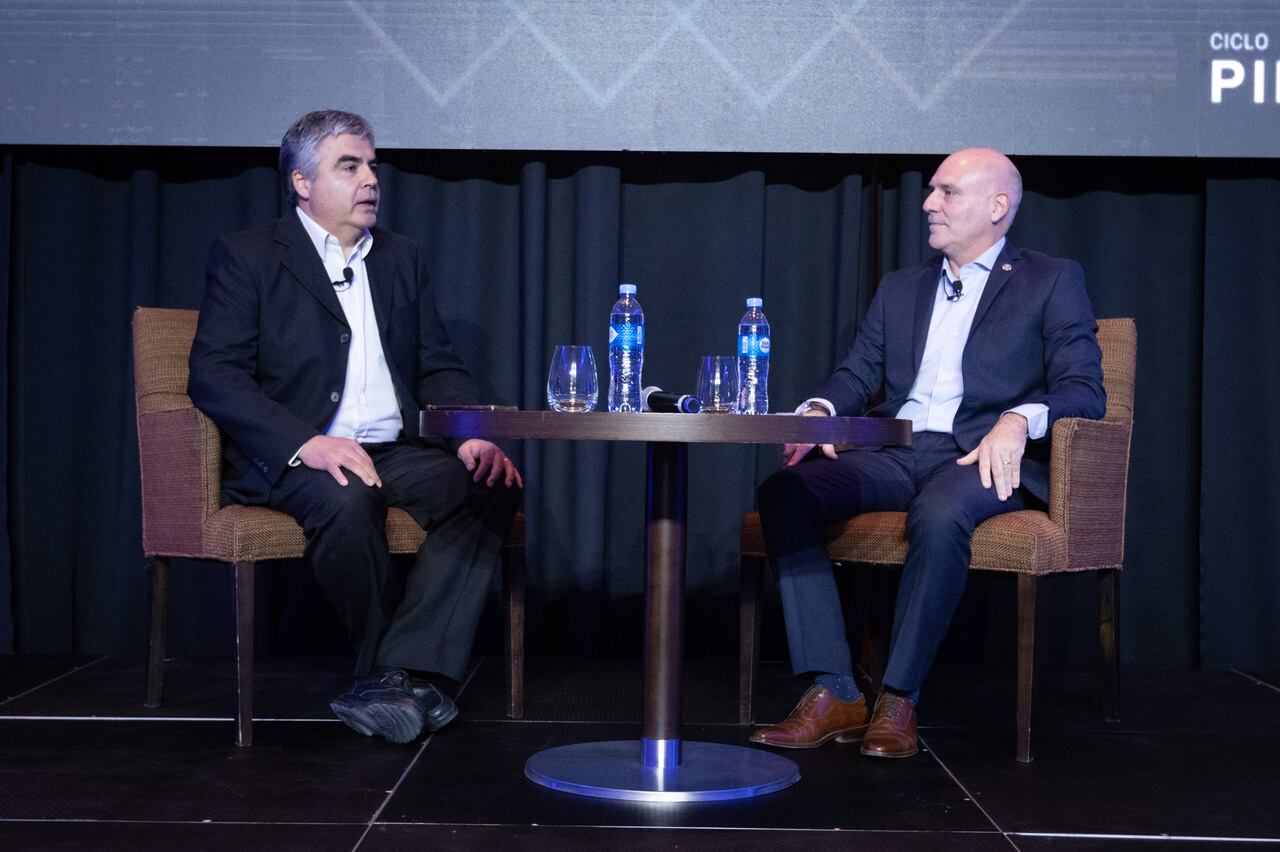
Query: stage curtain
(6, 563)
(527, 249)
(1239, 498)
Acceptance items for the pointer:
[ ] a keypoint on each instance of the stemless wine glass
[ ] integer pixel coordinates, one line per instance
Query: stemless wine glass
(571, 382)
(718, 384)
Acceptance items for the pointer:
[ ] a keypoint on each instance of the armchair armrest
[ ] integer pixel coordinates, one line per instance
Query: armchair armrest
(1088, 485)
(180, 451)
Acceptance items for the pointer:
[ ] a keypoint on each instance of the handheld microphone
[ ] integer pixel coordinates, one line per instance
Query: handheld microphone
(655, 398)
(347, 277)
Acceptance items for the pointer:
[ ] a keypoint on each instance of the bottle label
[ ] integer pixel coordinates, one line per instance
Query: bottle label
(626, 336)
(753, 346)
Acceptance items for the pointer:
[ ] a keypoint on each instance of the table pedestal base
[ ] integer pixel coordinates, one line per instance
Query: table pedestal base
(707, 772)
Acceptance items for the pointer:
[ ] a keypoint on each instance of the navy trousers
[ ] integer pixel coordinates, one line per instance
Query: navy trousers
(426, 620)
(944, 502)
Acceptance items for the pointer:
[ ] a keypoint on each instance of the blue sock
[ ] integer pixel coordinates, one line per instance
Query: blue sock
(841, 686)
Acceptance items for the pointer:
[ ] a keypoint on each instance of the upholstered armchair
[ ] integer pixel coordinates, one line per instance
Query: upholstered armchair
(1081, 530)
(180, 452)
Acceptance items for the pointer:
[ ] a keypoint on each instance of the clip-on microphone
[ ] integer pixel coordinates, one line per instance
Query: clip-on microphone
(347, 277)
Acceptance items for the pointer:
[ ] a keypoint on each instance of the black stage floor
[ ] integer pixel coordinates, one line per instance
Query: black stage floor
(83, 766)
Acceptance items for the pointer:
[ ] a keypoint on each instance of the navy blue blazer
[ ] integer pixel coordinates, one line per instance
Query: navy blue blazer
(1033, 339)
(269, 360)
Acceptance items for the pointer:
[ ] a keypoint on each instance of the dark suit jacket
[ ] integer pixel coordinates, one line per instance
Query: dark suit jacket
(270, 355)
(1033, 339)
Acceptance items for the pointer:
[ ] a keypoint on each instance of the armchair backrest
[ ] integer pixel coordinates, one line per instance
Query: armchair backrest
(179, 448)
(1118, 339)
(1089, 468)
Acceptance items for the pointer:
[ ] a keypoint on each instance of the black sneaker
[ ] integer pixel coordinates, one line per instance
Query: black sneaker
(438, 709)
(383, 705)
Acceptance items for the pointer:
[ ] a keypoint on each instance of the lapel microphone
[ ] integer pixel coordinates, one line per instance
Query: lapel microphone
(957, 288)
(347, 277)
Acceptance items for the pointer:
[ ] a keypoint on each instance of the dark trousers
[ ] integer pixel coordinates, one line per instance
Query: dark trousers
(427, 620)
(944, 502)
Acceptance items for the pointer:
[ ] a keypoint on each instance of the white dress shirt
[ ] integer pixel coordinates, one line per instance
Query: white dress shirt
(935, 396)
(368, 410)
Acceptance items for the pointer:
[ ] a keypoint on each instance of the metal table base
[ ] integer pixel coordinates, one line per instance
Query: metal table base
(622, 769)
(660, 767)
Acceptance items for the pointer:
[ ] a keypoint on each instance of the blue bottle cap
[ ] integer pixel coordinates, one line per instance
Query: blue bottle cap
(755, 302)
(626, 289)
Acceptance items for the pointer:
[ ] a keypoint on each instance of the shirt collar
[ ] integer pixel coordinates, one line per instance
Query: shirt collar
(985, 261)
(322, 239)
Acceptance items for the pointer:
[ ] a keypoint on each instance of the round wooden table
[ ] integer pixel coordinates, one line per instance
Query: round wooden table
(661, 767)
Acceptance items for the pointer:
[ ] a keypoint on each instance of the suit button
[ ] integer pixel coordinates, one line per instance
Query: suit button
(335, 396)
(344, 338)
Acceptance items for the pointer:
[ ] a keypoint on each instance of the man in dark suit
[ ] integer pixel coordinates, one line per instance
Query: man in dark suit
(982, 349)
(318, 343)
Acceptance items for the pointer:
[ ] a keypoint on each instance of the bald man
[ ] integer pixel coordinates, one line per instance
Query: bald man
(982, 349)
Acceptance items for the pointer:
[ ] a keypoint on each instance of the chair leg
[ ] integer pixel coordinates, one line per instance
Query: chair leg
(513, 604)
(242, 581)
(1108, 626)
(158, 630)
(748, 634)
(1026, 661)
(878, 607)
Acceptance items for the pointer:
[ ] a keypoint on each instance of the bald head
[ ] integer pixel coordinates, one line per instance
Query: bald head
(996, 171)
(973, 198)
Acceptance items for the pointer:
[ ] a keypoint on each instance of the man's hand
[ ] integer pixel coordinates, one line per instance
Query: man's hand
(334, 454)
(793, 453)
(999, 455)
(488, 460)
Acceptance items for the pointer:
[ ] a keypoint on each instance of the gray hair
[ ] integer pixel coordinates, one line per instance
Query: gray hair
(300, 147)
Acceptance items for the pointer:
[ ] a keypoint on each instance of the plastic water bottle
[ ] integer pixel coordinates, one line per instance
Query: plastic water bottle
(753, 360)
(626, 350)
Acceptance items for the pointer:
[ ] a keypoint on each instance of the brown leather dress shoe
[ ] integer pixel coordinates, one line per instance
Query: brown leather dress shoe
(817, 718)
(892, 732)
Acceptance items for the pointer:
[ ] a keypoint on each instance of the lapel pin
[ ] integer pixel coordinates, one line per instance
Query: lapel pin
(1007, 267)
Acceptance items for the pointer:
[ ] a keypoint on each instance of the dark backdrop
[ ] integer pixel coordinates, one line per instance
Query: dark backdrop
(528, 249)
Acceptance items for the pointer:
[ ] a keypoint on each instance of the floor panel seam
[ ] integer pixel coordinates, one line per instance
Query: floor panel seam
(937, 758)
(33, 718)
(1180, 838)
(373, 820)
(1257, 680)
(739, 828)
(52, 680)
(390, 793)
(98, 821)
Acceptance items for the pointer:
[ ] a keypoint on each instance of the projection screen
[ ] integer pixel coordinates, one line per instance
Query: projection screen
(1174, 78)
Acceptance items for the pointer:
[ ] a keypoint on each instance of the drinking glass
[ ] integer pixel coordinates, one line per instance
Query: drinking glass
(718, 384)
(571, 383)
